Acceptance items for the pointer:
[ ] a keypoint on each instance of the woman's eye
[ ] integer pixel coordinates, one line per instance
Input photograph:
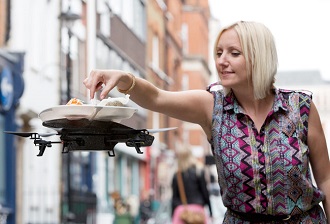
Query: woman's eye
(219, 54)
(235, 54)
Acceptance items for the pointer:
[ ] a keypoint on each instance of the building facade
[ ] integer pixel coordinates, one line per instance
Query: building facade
(35, 32)
(11, 90)
(120, 43)
(44, 59)
(12, 87)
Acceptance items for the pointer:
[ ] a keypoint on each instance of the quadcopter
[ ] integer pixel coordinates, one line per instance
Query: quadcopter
(91, 135)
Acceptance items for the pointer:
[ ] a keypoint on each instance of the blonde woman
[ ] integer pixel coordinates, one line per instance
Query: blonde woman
(266, 141)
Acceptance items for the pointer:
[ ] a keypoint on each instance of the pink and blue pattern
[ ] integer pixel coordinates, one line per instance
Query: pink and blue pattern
(267, 171)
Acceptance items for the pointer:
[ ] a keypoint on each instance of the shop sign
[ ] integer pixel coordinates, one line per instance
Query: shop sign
(7, 89)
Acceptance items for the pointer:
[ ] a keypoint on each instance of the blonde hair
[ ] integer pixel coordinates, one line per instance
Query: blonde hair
(259, 50)
(185, 158)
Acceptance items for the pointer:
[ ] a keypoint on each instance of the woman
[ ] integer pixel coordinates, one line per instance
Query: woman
(263, 139)
(194, 186)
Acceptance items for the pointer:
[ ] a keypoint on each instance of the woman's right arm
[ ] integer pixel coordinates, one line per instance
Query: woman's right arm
(194, 106)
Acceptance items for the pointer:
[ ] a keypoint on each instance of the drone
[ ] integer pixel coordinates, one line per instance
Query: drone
(91, 135)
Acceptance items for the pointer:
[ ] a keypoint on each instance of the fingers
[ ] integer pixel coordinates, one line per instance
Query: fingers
(101, 79)
(93, 82)
(106, 89)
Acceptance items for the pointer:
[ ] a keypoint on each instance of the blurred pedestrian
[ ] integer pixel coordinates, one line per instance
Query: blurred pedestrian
(121, 208)
(133, 207)
(266, 141)
(145, 208)
(194, 194)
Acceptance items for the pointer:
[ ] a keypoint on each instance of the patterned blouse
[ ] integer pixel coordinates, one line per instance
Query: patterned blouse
(268, 171)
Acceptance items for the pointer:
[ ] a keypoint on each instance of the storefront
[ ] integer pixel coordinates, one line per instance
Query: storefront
(11, 90)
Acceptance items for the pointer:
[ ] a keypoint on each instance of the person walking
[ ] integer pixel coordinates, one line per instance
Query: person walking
(267, 142)
(189, 187)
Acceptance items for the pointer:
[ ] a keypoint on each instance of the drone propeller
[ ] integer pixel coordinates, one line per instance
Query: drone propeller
(47, 134)
(160, 129)
(30, 134)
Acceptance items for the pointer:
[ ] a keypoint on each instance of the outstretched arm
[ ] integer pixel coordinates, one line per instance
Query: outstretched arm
(194, 106)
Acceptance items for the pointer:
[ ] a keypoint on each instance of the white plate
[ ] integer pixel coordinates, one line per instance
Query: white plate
(74, 112)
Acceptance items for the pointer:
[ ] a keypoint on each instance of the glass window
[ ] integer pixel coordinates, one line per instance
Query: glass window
(102, 61)
(118, 62)
(184, 35)
(155, 51)
(112, 58)
(115, 6)
(128, 13)
(79, 71)
(105, 24)
(2, 161)
(126, 66)
(139, 26)
(107, 58)
(134, 15)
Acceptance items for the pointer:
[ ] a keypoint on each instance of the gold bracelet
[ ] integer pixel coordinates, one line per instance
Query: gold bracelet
(126, 91)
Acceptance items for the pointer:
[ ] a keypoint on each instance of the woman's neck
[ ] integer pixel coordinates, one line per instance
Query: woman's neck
(256, 109)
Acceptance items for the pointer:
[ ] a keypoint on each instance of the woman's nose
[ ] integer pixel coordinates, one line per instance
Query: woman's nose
(222, 60)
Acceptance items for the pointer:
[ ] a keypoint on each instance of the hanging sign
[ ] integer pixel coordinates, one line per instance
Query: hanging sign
(7, 89)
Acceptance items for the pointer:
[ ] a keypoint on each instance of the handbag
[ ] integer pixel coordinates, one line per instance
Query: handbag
(188, 216)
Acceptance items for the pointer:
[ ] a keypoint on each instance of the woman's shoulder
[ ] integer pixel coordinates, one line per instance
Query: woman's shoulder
(295, 99)
(215, 88)
(292, 92)
(217, 91)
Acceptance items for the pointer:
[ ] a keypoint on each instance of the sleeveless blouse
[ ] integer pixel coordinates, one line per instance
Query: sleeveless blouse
(267, 171)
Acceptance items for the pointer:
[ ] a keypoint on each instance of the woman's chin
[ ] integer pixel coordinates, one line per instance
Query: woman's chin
(226, 84)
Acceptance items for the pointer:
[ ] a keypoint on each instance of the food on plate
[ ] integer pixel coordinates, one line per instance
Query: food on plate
(114, 101)
(110, 101)
(74, 101)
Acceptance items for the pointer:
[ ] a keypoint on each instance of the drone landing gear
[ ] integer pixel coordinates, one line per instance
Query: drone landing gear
(129, 143)
(136, 145)
(41, 150)
(111, 153)
(42, 145)
(110, 148)
(65, 148)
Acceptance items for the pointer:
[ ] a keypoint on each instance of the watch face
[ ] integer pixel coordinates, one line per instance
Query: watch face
(7, 89)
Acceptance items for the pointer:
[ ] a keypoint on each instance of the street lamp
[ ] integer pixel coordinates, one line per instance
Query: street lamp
(68, 18)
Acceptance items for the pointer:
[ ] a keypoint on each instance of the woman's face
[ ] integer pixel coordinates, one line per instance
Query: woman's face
(230, 62)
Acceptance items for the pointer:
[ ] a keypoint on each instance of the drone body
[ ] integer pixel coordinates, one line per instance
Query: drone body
(91, 135)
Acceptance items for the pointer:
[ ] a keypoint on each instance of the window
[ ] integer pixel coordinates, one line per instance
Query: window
(184, 36)
(139, 25)
(116, 6)
(128, 13)
(105, 16)
(155, 52)
(79, 71)
(107, 58)
(132, 13)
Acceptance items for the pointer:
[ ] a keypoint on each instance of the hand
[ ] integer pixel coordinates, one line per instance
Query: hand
(106, 80)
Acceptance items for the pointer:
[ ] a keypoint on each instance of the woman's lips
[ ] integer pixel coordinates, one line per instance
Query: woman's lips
(226, 73)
